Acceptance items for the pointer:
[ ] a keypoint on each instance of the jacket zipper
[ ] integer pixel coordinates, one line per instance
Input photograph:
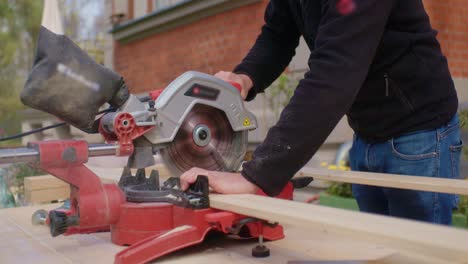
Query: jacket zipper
(387, 84)
(398, 92)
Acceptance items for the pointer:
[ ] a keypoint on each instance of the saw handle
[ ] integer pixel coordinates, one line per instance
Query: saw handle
(237, 86)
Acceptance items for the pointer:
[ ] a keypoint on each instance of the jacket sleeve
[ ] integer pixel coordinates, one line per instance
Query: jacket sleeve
(345, 47)
(273, 49)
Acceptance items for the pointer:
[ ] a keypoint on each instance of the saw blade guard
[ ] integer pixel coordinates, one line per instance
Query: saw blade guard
(195, 88)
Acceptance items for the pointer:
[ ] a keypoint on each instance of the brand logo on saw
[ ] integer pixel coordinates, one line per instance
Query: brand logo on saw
(77, 77)
(202, 92)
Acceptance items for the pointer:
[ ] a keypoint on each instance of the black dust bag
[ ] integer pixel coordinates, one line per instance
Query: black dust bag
(67, 83)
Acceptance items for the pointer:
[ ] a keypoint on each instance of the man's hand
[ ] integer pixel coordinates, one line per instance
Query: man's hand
(242, 79)
(220, 182)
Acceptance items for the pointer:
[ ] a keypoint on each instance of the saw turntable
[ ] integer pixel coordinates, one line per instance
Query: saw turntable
(196, 121)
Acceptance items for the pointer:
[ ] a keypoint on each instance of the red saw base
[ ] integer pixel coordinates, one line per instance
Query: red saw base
(151, 230)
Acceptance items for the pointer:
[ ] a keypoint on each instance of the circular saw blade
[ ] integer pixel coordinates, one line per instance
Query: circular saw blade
(205, 140)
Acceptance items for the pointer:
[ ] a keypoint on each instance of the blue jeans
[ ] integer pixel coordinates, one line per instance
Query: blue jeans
(433, 153)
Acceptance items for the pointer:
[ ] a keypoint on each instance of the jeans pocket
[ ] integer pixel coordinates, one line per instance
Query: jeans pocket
(415, 146)
(455, 154)
(452, 126)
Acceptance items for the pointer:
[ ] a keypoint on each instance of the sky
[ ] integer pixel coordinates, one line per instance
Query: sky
(90, 11)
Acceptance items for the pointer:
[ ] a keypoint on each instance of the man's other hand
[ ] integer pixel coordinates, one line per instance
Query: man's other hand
(242, 79)
(220, 182)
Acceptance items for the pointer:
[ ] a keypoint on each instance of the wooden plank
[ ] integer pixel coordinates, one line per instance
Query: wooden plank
(47, 195)
(44, 189)
(438, 242)
(431, 184)
(43, 182)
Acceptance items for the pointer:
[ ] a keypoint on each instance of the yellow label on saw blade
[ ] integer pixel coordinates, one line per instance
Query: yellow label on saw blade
(247, 122)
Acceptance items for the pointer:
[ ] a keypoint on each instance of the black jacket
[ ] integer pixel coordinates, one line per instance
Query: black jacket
(380, 64)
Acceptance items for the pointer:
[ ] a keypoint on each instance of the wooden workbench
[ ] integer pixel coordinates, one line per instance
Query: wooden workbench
(21, 242)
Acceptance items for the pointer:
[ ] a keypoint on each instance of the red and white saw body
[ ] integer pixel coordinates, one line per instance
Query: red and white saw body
(197, 120)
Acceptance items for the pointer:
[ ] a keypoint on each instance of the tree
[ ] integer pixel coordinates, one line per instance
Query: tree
(20, 21)
(84, 28)
(19, 27)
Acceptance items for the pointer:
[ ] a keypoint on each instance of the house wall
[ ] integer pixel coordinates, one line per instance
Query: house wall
(211, 44)
(220, 41)
(450, 18)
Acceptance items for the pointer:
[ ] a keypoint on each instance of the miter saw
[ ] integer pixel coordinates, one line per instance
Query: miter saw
(196, 121)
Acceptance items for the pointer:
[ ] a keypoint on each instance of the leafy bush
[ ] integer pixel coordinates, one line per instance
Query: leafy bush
(463, 119)
(464, 125)
(280, 92)
(463, 204)
(14, 179)
(6, 197)
(340, 189)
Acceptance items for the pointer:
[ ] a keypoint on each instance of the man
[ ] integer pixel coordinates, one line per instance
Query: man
(378, 62)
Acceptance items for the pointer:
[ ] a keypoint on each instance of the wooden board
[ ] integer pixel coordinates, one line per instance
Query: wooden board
(43, 182)
(47, 195)
(437, 242)
(44, 189)
(390, 180)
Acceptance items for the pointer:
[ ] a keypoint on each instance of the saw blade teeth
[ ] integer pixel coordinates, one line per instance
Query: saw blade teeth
(154, 178)
(126, 172)
(126, 178)
(222, 151)
(140, 176)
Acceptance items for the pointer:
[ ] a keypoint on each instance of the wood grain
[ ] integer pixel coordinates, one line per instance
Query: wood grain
(44, 189)
(43, 182)
(436, 242)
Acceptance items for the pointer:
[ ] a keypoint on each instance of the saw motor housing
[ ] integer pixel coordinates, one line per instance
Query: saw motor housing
(145, 126)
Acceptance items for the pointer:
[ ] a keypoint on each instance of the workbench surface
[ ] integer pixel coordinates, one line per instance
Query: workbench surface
(21, 242)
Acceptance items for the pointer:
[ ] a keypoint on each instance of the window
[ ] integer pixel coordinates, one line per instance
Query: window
(165, 4)
(140, 8)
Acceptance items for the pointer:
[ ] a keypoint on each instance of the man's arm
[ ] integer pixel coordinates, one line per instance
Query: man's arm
(271, 53)
(273, 49)
(345, 47)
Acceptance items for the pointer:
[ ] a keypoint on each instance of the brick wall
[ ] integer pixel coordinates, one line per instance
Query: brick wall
(220, 42)
(214, 43)
(450, 18)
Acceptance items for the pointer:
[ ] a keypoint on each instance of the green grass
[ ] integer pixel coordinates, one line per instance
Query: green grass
(338, 202)
(14, 143)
